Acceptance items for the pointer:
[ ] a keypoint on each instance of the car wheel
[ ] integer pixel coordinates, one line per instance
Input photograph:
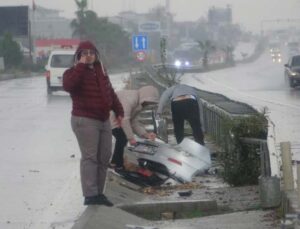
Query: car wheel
(286, 80)
(291, 83)
(49, 88)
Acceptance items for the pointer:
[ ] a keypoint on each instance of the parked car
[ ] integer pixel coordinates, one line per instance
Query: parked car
(292, 71)
(58, 62)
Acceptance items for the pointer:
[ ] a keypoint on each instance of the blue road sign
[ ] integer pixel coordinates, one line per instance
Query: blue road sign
(140, 43)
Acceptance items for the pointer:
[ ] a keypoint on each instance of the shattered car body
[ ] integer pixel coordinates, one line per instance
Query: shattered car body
(181, 162)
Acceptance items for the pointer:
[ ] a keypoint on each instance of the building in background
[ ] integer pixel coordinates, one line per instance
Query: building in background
(219, 16)
(128, 20)
(27, 25)
(47, 23)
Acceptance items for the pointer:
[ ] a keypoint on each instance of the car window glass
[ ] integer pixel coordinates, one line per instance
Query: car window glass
(61, 61)
(296, 61)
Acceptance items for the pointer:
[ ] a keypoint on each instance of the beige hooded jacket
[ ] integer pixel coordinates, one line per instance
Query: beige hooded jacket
(132, 101)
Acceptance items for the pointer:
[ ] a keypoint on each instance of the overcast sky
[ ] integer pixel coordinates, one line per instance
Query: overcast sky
(248, 13)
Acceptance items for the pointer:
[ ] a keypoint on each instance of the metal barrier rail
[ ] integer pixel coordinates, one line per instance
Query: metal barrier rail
(213, 114)
(264, 154)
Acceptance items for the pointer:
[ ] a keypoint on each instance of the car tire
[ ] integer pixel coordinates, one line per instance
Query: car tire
(291, 83)
(49, 88)
(286, 80)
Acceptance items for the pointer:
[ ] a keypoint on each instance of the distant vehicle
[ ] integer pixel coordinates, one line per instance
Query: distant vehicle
(274, 47)
(276, 56)
(292, 71)
(187, 57)
(58, 62)
(181, 62)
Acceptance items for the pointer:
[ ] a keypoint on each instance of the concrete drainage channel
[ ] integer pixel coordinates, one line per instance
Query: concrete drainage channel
(171, 210)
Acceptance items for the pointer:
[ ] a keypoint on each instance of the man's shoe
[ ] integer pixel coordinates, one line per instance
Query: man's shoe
(105, 201)
(111, 165)
(91, 200)
(121, 170)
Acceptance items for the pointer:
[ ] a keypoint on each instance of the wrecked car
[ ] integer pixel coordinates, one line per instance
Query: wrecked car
(180, 162)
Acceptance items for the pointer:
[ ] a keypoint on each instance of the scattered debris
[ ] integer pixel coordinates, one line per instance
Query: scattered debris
(185, 193)
(168, 215)
(139, 227)
(34, 171)
(168, 190)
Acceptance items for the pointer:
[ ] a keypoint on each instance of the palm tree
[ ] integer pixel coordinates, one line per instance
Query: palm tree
(84, 23)
(228, 49)
(207, 47)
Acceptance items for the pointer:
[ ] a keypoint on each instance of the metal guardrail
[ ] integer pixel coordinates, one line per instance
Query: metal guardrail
(264, 154)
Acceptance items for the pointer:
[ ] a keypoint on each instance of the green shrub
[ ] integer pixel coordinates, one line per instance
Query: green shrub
(241, 161)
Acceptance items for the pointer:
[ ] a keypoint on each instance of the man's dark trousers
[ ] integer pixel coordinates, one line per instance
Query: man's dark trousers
(121, 142)
(187, 109)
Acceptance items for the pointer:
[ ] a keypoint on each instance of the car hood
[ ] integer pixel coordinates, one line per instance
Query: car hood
(296, 69)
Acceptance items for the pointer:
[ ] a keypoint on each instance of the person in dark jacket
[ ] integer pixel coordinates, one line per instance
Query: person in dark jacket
(93, 98)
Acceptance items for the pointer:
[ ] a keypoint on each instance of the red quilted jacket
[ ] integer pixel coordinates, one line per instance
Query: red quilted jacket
(90, 89)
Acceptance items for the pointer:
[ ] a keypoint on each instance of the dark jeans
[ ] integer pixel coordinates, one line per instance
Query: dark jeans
(187, 109)
(121, 142)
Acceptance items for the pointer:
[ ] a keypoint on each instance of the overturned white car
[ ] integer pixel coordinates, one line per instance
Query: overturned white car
(180, 162)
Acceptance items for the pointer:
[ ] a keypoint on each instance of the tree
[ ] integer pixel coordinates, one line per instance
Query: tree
(201, 30)
(228, 49)
(11, 51)
(207, 47)
(160, 14)
(85, 21)
(111, 40)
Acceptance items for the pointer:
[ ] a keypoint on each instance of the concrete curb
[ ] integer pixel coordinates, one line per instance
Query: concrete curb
(106, 217)
(11, 76)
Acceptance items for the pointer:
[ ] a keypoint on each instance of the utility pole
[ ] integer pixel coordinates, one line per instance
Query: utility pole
(91, 5)
(168, 13)
(168, 6)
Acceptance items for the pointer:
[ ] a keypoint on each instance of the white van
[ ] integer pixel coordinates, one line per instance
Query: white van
(58, 62)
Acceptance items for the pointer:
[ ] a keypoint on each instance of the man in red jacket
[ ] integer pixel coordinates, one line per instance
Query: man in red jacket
(93, 98)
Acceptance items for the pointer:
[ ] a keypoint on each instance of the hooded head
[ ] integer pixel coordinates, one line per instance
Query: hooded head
(148, 95)
(86, 45)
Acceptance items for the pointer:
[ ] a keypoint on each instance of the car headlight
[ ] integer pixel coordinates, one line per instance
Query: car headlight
(177, 63)
(293, 73)
(186, 63)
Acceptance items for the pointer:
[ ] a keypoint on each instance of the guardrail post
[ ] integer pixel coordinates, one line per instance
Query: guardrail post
(298, 183)
(288, 177)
